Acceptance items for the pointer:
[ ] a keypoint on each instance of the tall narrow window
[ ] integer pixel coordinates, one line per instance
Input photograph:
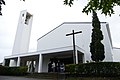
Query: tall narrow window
(27, 18)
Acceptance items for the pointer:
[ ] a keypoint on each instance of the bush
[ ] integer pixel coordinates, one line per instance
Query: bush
(70, 68)
(95, 69)
(13, 71)
(3, 70)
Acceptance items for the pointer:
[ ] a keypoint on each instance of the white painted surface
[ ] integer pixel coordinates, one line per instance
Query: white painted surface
(18, 61)
(22, 38)
(57, 41)
(45, 63)
(40, 64)
(57, 38)
(116, 54)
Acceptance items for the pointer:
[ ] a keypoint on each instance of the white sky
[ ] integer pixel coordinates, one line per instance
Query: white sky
(47, 14)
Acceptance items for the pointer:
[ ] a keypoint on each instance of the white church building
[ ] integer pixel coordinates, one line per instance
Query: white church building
(55, 44)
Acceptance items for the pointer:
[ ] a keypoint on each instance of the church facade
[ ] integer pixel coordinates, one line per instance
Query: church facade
(55, 46)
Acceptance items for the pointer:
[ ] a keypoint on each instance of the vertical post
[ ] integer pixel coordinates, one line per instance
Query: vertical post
(4, 61)
(18, 61)
(75, 59)
(40, 63)
(74, 52)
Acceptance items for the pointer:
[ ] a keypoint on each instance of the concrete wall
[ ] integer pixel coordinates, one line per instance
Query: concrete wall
(45, 63)
(22, 38)
(57, 38)
(116, 54)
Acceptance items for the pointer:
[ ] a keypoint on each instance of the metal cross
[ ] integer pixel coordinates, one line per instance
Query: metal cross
(74, 50)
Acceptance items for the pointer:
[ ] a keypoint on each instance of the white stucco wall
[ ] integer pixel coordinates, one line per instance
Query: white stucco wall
(57, 38)
(116, 54)
(45, 63)
(107, 42)
(22, 38)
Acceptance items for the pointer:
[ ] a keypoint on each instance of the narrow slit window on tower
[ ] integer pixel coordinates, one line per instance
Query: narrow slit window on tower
(27, 18)
(22, 15)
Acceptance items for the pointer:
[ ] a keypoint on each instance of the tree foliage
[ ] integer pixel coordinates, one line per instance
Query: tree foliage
(1, 3)
(96, 47)
(23, 0)
(105, 6)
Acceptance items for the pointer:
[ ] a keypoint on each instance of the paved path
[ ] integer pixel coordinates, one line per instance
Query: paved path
(17, 78)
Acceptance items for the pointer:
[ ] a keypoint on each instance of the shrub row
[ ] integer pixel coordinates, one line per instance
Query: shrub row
(13, 71)
(95, 69)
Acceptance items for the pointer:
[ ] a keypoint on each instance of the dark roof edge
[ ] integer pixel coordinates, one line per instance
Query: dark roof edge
(80, 22)
(50, 31)
(67, 23)
(116, 48)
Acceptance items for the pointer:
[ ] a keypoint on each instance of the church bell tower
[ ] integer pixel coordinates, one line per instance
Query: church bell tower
(22, 38)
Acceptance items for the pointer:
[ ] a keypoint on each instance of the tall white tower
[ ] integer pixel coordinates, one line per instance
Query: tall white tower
(22, 38)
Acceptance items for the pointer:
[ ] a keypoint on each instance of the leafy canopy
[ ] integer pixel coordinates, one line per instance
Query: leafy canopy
(1, 2)
(105, 6)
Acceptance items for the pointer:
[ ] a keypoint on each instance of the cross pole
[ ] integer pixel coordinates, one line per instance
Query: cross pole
(74, 50)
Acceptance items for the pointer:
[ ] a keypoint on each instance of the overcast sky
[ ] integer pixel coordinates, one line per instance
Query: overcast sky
(47, 14)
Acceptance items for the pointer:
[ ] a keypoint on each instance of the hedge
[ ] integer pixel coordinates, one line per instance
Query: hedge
(110, 69)
(13, 71)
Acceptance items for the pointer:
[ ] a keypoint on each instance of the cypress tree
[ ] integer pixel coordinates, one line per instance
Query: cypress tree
(96, 47)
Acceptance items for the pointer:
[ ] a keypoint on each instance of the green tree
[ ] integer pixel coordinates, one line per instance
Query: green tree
(105, 6)
(1, 3)
(96, 47)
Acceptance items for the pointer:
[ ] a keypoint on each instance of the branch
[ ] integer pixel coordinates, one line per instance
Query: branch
(1, 3)
(105, 6)
(70, 2)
